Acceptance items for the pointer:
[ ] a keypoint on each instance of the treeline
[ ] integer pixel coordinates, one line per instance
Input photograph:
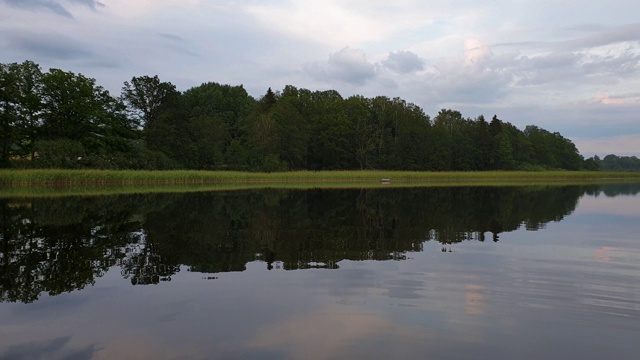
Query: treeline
(59, 119)
(618, 163)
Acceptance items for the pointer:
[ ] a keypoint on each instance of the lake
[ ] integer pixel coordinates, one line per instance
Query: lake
(431, 273)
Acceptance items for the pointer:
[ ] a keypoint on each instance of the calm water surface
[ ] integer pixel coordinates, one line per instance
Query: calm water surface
(432, 273)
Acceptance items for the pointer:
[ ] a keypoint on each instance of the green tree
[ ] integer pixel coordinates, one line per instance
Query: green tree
(522, 149)
(366, 133)
(495, 126)
(592, 163)
(441, 139)
(502, 156)
(541, 141)
(166, 134)
(329, 145)
(411, 137)
(294, 135)
(268, 101)
(75, 108)
(195, 128)
(483, 144)
(207, 138)
(264, 141)
(237, 156)
(613, 162)
(229, 103)
(20, 104)
(144, 97)
(552, 150)
(8, 116)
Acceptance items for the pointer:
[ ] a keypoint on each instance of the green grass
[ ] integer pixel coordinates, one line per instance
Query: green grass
(128, 177)
(70, 182)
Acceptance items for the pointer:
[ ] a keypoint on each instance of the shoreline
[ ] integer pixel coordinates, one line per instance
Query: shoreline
(55, 177)
(24, 183)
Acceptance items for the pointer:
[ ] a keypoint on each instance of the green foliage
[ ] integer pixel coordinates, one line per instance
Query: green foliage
(20, 102)
(60, 153)
(617, 163)
(47, 119)
(144, 97)
(263, 138)
(236, 156)
(553, 151)
(229, 103)
(592, 163)
(268, 100)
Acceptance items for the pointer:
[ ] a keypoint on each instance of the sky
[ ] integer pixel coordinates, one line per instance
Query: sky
(562, 65)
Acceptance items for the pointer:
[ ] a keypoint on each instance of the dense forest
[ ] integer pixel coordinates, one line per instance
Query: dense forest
(59, 119)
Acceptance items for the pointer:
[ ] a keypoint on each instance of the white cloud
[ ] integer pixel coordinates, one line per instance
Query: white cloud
(476, 54)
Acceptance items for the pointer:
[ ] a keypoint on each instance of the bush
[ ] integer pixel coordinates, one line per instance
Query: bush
(272, 163)
(64, 153)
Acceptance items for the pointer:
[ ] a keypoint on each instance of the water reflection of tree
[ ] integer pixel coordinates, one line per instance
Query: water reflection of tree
(59, 245)
(143, 265)
(318, 228)
(612, 190)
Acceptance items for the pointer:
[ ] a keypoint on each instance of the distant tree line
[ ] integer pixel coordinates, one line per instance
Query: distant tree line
(618, 163)
(59, 119)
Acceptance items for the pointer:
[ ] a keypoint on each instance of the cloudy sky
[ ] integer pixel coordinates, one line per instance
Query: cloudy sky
(571, 66)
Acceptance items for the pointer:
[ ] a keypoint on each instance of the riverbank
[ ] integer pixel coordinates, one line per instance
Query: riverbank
(114, 178)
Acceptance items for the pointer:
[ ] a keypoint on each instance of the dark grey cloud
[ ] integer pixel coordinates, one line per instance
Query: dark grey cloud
(56, 348)
(584, 37)
(625, 96)
(347, 65)
(573, 61)
(542, 69)
(583, 28)
(573, 67)
(34, 350)
(55, 6)
(629, 32)
(404, 62)
(94, 4)
(178, 44)
(50, 46)
(172, 37)
(40, 5)
(599, 55)
(552, 60)
(351, 65)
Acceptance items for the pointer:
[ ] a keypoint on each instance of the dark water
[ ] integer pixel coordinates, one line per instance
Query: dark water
(433, 273)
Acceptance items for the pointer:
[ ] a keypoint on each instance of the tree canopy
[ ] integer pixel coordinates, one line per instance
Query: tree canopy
(58, 119)
(613, 162)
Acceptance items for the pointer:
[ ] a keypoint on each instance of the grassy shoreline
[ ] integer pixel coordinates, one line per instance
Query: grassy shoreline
(58, 191)
(28, 183)
(38, 178)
